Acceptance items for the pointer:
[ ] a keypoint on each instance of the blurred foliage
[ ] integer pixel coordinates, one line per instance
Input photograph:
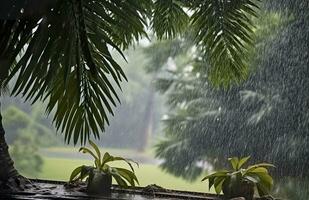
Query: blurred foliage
(265, 117)
(293, 188)
(27, 130)
(24, 152)
(129, 123)
(18, 119)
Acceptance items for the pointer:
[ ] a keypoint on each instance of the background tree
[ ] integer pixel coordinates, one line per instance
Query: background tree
(18, 119)
(265, 117)
(60, 52)
(25, 150)
(138, 116)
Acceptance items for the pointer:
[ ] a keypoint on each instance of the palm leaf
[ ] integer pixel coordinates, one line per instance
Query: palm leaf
(169, 18)
(224, 31)
(66, 59)
(62, 53)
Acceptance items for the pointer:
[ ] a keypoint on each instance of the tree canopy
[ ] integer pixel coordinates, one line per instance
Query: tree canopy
(265, 117)
(60, 51)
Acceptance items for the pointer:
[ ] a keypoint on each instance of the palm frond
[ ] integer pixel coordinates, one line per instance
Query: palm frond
(169, 18)
(122, 22)
(62, 52)
(225, 31)
(66, 60)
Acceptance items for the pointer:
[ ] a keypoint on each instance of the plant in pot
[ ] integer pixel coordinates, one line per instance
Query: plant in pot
(242, 182)
(99, 177)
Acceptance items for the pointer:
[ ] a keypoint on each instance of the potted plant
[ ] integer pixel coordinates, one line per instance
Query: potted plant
(99, 177)
(242, 182)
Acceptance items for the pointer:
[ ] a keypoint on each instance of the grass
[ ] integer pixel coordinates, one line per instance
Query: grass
(60, 161)
(149, 152)
(60, 169)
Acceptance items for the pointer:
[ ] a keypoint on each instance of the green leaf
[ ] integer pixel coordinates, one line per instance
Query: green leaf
(242, 161)
(106, 158)
(86, 150)
(262, 190)
(218, 184)
(85, 172)
(264, 165)
(234, 162)
(75, 173)
(128, 161)
(211, 181)
(97, 150)
(121, 182)
(222, 173)
(259, 170)
(266, 180)
(80, 173)
(128, 175)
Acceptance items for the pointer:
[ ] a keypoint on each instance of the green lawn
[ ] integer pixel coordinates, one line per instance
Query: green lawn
(60, 169)
(114, 151)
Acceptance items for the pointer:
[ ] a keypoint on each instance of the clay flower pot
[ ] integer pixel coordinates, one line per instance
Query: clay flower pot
(245, 189)
(99, 183)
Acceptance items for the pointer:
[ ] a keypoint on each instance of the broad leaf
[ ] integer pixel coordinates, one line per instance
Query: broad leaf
(242, 161)
(128, 175)
(121, 182)
(218, 184)
(75, 173)
(234, 162)
(97, 150)
(222, 173)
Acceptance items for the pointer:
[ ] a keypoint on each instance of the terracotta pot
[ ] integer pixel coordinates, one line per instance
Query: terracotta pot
(244, 189)
(99, 183)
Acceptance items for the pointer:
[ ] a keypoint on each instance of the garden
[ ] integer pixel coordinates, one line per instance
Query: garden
(154, 99)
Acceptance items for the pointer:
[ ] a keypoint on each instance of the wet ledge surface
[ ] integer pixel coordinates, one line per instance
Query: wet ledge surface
(51, 190)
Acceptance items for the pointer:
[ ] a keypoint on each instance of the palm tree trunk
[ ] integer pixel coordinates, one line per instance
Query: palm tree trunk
(7, 169)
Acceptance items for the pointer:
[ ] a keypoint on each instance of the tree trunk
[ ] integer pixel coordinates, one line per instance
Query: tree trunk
(7, 169)
(148, 121)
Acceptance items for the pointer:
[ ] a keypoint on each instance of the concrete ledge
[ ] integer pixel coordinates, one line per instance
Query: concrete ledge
(54, 190)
